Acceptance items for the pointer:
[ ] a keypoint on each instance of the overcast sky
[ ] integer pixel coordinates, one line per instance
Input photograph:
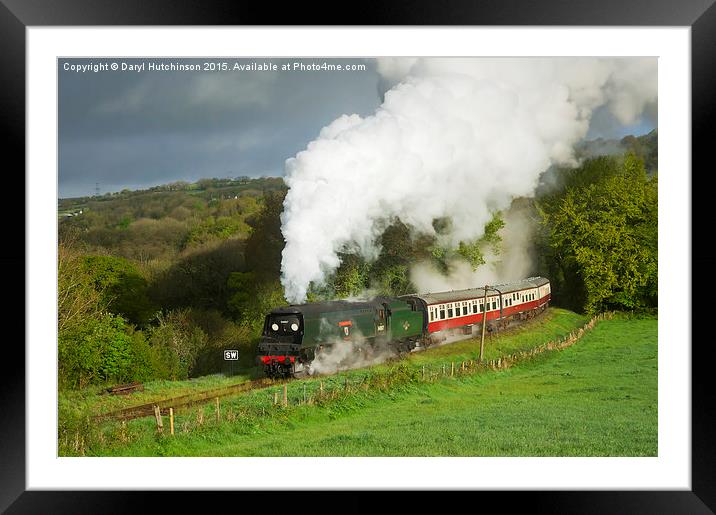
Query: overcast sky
(129, 129)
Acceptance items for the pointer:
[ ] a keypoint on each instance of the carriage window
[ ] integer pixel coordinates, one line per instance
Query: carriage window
(442, 314)
(494, 305)
(474, 308)
(432, 315)
(449, 312)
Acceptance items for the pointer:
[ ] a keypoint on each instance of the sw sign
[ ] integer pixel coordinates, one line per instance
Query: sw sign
(231, 355)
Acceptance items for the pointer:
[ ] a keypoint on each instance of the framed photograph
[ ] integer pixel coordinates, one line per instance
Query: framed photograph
(419, 253)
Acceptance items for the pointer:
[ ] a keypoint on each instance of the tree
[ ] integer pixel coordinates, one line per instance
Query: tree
(254, 298)
(472, 252)
(124, 289)
(77, 298)
(603, 235)
(265, 244)
(351, 278)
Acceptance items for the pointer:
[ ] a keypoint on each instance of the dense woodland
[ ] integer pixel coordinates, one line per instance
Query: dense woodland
(154, 284)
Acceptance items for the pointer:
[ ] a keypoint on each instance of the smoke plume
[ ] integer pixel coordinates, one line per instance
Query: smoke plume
(457, 138)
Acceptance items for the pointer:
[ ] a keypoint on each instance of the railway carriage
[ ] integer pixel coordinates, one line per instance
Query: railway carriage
(466, 308)
(294, 335)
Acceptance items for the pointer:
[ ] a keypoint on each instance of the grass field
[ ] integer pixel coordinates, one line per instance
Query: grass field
(596, 398)
(554, 323)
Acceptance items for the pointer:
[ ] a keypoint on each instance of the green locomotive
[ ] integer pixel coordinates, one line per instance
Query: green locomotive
(294, 335)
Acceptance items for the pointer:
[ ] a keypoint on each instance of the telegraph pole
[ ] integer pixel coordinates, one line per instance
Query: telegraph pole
(484, 322)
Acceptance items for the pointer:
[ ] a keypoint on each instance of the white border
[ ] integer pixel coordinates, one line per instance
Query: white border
(672, 467)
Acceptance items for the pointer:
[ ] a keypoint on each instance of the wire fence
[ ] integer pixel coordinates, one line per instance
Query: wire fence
(319, 392)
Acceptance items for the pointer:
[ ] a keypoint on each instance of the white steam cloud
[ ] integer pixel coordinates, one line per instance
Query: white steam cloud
(513, 260)
(458, 138)
(337, 354)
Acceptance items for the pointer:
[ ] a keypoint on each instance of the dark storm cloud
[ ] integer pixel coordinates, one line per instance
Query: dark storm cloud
(129, 129)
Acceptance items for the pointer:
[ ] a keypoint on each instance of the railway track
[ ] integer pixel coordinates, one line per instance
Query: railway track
(183, 401)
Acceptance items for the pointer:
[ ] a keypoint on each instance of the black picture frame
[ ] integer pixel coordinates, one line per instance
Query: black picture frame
(700, 15)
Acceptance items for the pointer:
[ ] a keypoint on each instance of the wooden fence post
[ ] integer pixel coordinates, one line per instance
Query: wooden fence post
(320, 389)
(452, 368)
(218, 413)
(304, 393)
(285, 395)
(158, 417)
(171, 421)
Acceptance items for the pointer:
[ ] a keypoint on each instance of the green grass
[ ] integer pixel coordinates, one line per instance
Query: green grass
(551, 325)
(596, 398)
(94, 400)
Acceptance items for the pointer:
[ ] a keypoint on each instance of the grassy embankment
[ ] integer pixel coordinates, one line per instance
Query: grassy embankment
(597, 398)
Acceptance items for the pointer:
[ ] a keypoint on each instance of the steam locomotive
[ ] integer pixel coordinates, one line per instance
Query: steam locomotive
(293, 336)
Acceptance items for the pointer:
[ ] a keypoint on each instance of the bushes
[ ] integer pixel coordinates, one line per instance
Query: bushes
(94, 346)
(99, 350)
(106, 349)
(175, 344)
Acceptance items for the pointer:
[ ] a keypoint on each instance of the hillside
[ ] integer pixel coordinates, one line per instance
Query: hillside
(594, 398)
(154, 284)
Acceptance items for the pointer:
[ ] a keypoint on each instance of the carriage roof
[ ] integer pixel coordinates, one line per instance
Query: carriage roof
(478, 293)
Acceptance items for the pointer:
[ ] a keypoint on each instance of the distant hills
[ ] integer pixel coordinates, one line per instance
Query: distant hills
(645, 147)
